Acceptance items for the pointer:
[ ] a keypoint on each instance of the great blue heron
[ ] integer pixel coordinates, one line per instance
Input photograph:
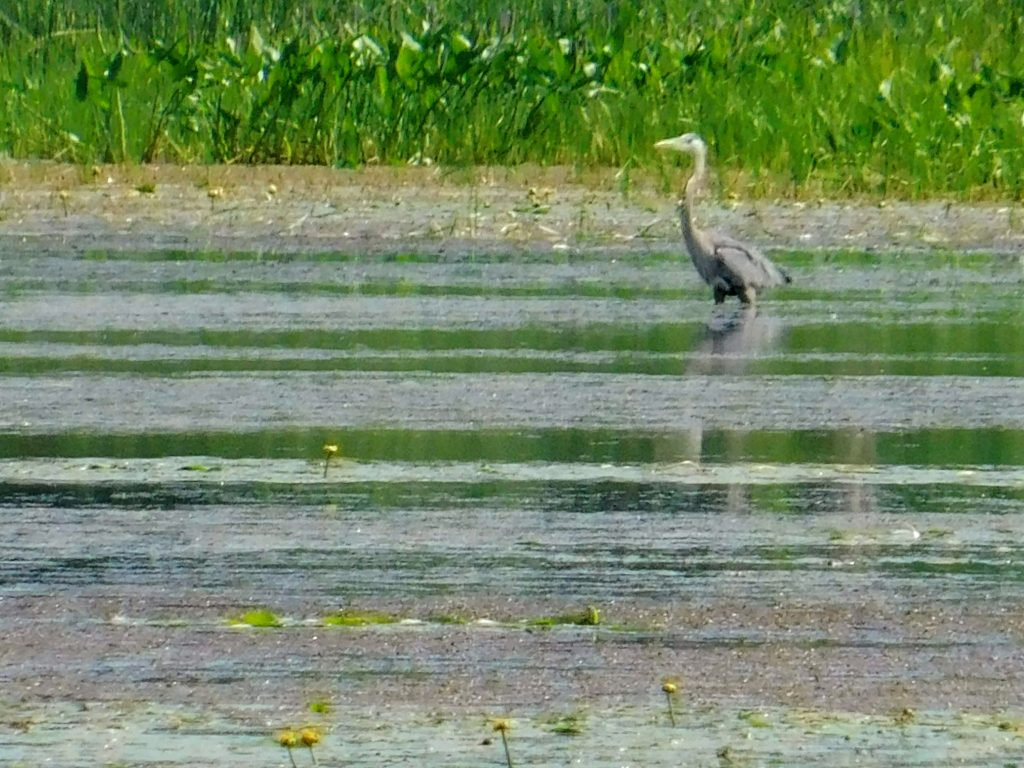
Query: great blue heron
(728, 266)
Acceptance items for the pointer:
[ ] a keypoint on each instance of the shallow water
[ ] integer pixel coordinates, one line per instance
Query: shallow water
(622, 736)
(811, 511)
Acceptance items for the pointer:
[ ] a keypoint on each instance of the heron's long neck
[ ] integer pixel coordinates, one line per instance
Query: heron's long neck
(700, 165)
(686, 204)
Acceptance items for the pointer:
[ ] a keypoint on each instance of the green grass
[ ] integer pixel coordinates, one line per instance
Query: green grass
(855, 97)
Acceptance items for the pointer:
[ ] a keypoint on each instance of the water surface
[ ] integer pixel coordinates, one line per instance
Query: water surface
(810, 512)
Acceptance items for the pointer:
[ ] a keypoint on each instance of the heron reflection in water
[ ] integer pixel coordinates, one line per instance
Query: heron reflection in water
(732, 341)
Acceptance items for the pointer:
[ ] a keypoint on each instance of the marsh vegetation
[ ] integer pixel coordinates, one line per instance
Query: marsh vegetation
(859, 97)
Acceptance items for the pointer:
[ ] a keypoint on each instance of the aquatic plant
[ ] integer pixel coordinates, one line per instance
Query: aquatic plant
(726, 755)
(755, 718)
(503, 726)
(320, 706)
(310, 737)
(260, 617)
(330, 451)
(588, 617)
(354, 618)
(1013, 726)
(671, 689)
(214, 194)
(448, 618)
(905, 716)
(568, 725)
(289, 740)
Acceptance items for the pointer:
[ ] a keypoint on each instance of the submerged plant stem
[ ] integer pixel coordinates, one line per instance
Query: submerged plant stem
(508, 755)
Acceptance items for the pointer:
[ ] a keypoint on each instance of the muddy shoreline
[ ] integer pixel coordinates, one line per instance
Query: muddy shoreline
(381, 211)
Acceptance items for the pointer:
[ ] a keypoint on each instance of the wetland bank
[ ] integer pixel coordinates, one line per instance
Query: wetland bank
(809, 516)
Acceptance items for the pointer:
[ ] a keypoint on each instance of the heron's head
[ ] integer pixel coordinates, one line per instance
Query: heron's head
(690, 143)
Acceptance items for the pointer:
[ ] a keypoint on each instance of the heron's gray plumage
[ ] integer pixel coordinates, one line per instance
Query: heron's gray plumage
(727, 265)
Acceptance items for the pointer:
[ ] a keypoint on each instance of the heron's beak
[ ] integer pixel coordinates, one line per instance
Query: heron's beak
(672, 143)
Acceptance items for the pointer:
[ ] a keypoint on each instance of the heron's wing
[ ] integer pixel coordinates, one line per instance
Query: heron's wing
(742, 265)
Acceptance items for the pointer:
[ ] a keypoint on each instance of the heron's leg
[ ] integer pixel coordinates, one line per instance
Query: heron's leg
(719, 295)
(748, 295)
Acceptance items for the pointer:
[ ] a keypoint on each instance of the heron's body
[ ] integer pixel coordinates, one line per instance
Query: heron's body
(727, 265)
